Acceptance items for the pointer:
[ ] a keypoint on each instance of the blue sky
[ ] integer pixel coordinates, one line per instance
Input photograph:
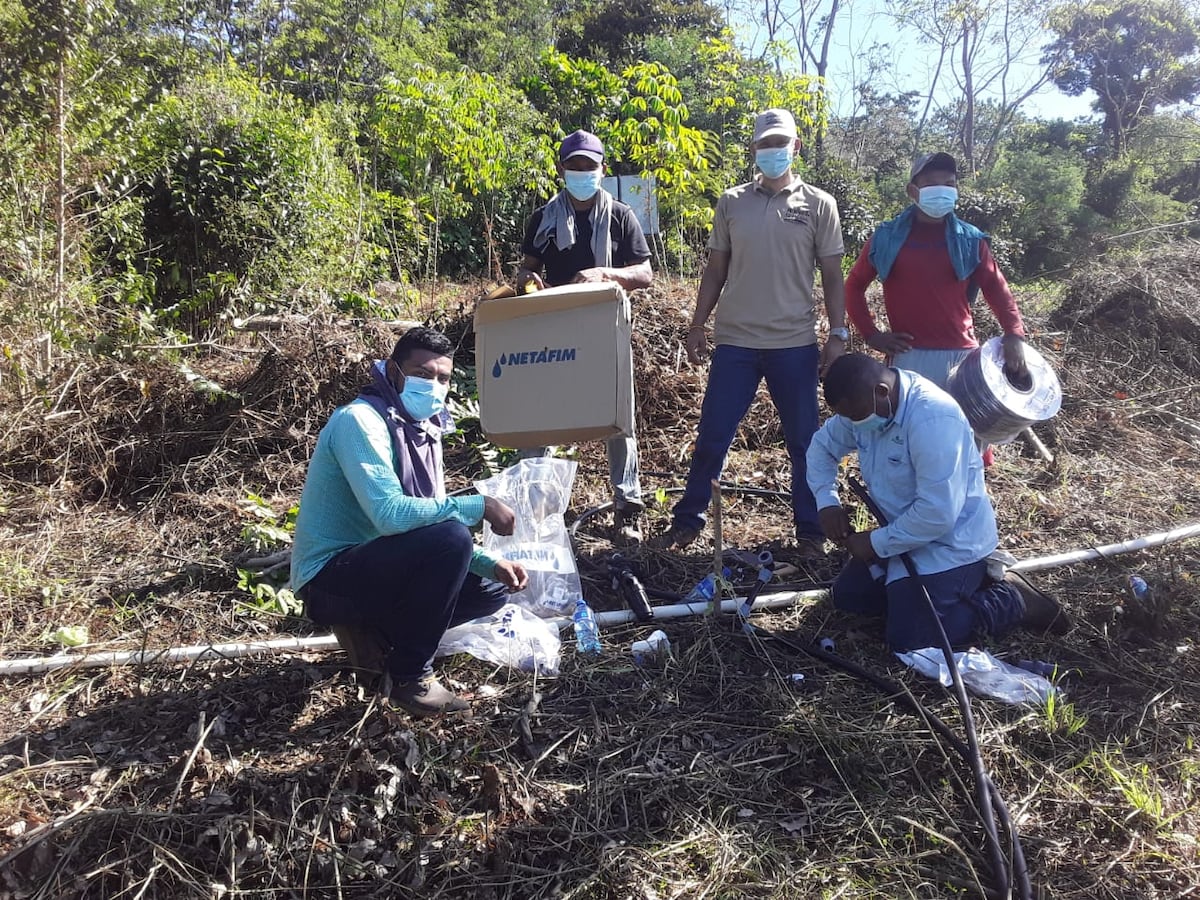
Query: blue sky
(865, 30)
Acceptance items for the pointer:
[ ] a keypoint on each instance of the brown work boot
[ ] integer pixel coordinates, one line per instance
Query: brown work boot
(366, 649)
(425, 696)
(627, 524)
(675, 536)
(1042, 612)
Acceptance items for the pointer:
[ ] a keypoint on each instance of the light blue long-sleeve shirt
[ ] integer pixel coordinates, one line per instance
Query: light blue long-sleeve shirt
(925, 473)
(352, 495)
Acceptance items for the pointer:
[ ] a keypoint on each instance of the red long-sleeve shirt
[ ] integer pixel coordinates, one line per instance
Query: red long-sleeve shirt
(924, 297)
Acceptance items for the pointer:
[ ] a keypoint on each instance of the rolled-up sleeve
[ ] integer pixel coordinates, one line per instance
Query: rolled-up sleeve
(833, 441)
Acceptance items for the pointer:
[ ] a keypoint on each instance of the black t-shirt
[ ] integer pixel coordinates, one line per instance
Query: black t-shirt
(628, 244)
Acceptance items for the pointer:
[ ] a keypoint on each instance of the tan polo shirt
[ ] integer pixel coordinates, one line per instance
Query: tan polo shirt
(774, 243)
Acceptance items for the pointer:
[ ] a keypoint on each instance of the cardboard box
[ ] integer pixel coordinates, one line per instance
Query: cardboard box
(555, 366)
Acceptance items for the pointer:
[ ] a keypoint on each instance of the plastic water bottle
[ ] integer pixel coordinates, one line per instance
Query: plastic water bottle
(587, 632)
(1138, 587)
(706, 590)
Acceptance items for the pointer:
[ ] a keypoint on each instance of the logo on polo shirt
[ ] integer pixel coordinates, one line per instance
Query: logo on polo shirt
(533, 358)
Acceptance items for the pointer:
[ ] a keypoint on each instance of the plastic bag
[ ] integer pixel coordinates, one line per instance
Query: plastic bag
(511, 636)
(539, 491)
(982, 674)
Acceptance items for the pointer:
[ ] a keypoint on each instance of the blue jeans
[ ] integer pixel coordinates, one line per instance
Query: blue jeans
(733, 379)
(968, 602)
(622, 470)
(409, 588)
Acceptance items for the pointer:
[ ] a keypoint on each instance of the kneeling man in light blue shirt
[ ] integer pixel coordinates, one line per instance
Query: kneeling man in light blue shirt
(919, 460)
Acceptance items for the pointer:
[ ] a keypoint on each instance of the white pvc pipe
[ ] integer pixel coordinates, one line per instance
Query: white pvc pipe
(195, 653)
(209, 652)
(206, 652)
(1143, 543)
(680, 610)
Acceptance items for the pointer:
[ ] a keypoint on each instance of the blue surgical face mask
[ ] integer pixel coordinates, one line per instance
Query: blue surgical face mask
(774, 161)
(582, 185)
(937, 200)
(424, 398)
(874, 423)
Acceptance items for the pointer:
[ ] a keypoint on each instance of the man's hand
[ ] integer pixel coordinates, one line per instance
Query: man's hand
(499, 515)
(696, 344)
(834, 523)
(834, 347)
(591, 276)
(512, 575)
(859, 545)
(524, 276)
(1014, 361)
(891, 343)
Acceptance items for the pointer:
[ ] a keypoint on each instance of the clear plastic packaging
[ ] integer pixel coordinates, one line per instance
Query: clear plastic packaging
(539, 491)
(982, 674)
(511, 636)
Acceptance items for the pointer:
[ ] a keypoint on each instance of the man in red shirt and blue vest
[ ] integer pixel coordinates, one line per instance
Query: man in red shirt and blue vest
(930, 263)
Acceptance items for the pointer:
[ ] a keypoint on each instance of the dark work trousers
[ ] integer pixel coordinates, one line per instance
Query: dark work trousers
(408, 588)
(733, 379)
(968, 602)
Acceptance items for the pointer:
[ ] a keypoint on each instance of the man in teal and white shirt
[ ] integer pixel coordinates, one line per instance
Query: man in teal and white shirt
(381, 554)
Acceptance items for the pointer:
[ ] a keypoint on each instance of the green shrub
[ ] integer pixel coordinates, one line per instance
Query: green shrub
(232, 199)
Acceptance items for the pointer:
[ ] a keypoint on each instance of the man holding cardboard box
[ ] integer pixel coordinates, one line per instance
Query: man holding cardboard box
(584, 235)
(381, 554)
(768, 237)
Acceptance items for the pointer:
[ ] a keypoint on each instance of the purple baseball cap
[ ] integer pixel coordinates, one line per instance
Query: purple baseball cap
(581, 143)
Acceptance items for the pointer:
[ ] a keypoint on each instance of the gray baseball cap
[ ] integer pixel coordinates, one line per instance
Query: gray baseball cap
(771, 122)
(942, 162)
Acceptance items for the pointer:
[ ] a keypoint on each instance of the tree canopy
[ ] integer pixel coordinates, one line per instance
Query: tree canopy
(1137, 56)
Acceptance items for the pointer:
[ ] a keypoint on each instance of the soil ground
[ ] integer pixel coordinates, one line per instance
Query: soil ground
(124, 496)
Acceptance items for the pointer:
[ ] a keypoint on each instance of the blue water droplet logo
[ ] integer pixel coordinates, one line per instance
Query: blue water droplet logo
(496, 368)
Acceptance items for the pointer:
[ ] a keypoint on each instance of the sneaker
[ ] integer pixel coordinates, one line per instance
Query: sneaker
(675, 536)
(1042, 612)
(627, 524)
(366, 649)
(425, 696)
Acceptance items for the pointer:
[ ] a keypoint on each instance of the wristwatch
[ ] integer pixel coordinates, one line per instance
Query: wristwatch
(842, 334)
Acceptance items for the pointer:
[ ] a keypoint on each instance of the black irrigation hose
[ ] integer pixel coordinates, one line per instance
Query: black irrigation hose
(984, 787)
(897, 691)
(991, 804)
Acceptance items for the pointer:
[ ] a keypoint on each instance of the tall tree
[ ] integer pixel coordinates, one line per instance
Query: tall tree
(612, 31)
(1136, 55)
(989, 48)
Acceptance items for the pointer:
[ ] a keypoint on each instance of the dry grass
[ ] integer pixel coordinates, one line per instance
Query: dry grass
(714, 776)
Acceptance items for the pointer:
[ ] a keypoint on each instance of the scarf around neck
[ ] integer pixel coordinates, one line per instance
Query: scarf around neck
(416, 446)
(558, 224)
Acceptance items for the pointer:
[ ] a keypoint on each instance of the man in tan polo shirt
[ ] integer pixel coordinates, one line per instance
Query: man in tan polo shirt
(768, 237)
